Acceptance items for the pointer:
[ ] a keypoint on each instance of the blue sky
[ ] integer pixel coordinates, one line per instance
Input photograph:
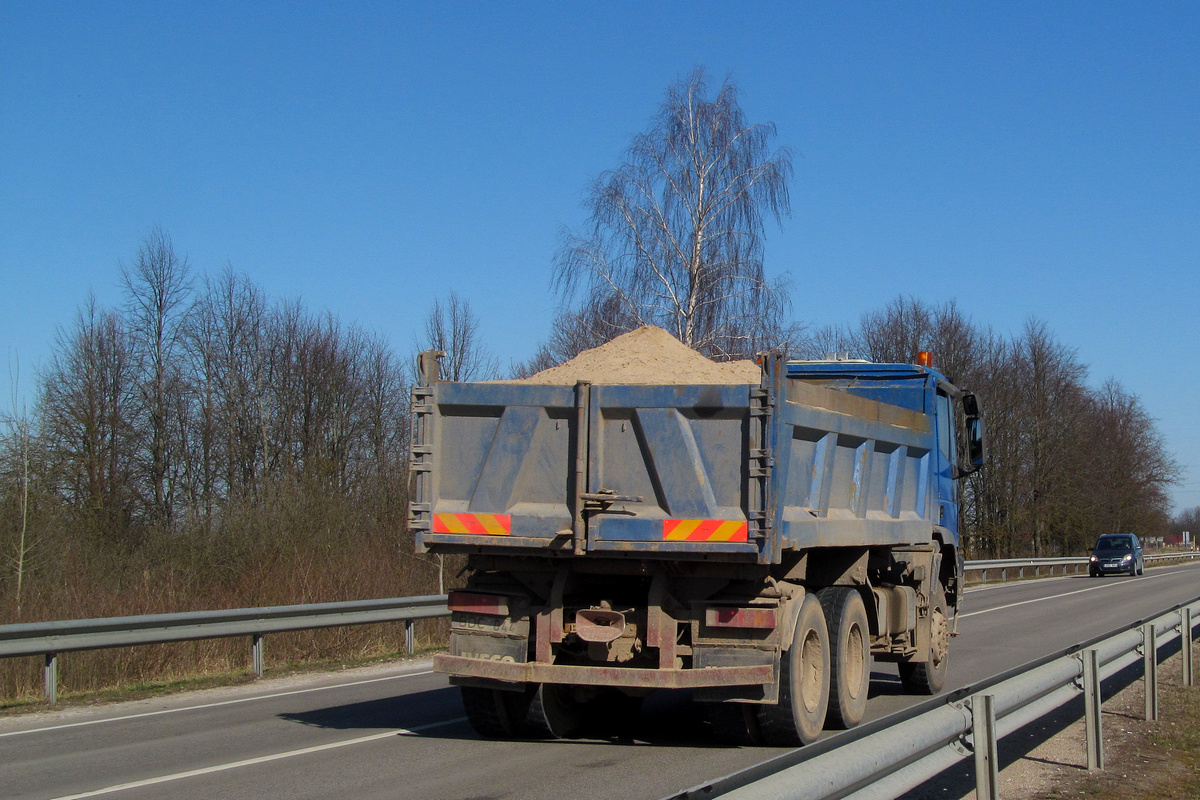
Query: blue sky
(1026, 159)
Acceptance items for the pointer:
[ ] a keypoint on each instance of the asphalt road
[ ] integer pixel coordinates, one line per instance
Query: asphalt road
(399, 732)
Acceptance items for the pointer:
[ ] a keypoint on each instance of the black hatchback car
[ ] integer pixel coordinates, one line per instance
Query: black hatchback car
(1116, 553)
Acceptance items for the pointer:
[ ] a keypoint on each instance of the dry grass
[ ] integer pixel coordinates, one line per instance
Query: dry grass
(294, 548)
(1157, 760)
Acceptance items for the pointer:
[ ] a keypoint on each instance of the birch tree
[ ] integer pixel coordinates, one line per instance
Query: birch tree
(675, 236)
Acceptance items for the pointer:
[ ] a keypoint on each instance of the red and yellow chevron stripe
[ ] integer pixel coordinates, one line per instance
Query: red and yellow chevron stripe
(705, 530)
(489, 524)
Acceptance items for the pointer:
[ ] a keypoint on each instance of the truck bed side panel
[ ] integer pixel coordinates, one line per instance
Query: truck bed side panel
(853, 476)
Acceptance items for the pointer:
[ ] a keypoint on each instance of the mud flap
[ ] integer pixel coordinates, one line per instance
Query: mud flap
(703, 657)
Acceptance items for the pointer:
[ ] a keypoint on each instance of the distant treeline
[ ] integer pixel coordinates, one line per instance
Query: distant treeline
(1066, 461)
(203, 446)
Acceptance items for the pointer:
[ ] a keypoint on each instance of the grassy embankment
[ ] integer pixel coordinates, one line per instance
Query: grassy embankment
(294, 549)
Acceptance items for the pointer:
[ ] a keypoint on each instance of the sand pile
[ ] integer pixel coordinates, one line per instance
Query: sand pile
(645, 356)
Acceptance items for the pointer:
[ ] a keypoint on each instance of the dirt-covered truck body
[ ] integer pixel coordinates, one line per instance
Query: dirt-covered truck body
(757, 543)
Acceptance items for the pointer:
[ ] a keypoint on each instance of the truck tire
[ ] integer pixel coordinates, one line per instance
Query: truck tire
(928, 677)
(849, 655)
(551, 713)
(490, 711)
(799, 717)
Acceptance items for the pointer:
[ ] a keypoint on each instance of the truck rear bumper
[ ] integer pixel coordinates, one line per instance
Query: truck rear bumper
(604, 676)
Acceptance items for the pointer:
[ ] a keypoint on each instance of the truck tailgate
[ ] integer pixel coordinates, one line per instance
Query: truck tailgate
(663, 469)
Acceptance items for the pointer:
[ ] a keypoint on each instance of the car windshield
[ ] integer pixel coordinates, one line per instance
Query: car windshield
(1122, 544)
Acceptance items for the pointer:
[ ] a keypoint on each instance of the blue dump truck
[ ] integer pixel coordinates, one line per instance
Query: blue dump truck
(756, 543)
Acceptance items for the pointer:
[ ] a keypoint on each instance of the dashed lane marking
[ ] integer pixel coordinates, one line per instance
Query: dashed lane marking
(1064, 594)
(192, 773)
(213, 705)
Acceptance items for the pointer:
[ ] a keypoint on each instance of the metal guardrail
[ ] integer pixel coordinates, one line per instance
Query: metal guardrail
(51, 638)
(889, 756)
(1076, 565)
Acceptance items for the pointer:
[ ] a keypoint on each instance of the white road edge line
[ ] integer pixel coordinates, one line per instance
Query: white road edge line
(213, 705)
(1057, 596)
(192, 773)
(1027, 581)
(987, 587)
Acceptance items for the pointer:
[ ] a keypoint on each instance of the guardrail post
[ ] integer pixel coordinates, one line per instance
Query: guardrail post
(1150, 661)
(1185, 645)
(409, 641)
(983, 735)
(1092, 706)
(256, 651)
(52, 678)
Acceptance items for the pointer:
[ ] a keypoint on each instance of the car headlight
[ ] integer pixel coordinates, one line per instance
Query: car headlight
(1093, 558)
(1127, 558)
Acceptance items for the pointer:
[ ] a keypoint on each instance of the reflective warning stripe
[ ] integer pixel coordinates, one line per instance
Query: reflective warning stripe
(705, 530)
(488, 524)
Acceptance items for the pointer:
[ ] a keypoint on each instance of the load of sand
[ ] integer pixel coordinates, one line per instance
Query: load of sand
(648, 355)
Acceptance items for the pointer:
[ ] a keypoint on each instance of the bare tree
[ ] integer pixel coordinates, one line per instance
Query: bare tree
(897, 333)
(675, 236)
(331, 391)
(17, 452)
(820, 343)
(1128, 469)
(453, 328)
(386, 417)
(226, 342)
(1051, 378)
(1188, 520)
(87, 409)
(158, 296)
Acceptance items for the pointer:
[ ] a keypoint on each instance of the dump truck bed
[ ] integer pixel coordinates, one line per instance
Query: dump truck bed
(737, 472)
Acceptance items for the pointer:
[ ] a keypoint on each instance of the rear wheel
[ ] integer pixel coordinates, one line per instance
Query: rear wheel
(490, 711)
(552, 712)
(799, 717)
(849, 655)
(928, 677)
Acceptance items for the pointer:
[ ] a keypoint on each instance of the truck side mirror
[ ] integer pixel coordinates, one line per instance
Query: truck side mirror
(975, 442)
(974, 426)
(970, 405)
